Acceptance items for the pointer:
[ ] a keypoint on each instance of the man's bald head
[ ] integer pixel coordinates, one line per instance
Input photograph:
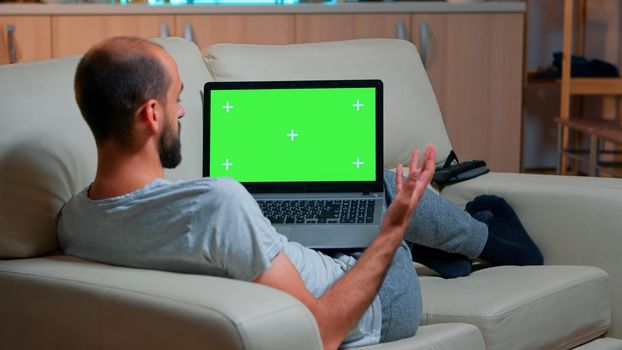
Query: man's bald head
(113, 79)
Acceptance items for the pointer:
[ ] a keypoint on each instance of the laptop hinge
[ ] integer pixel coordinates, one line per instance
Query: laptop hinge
(373, 194)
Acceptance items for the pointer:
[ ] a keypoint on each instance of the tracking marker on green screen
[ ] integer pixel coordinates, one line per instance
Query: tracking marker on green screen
(274, 135)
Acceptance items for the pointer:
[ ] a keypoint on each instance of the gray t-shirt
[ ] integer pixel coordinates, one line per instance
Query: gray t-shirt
(209, 226)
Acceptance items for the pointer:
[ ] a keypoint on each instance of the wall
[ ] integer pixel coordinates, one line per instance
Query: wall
(603, 41)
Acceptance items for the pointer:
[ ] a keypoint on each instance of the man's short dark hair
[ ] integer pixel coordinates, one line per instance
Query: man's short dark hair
(112, 80)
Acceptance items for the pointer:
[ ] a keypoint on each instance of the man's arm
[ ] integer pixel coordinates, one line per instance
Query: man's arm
(337, 310)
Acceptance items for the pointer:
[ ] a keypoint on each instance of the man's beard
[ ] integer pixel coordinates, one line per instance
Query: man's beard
(169, 147)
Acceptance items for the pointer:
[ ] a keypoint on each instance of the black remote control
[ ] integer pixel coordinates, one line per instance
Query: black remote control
(443, 174)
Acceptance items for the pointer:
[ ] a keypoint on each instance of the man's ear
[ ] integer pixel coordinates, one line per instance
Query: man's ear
(149, 115)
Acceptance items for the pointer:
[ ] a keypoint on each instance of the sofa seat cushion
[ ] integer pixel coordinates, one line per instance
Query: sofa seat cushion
(528, 307)
(446, 336)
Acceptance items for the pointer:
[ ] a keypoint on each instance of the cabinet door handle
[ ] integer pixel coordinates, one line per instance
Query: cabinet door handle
(400, 31)
(164, 32)
(188, 33)
(424, 42)
(12, 44)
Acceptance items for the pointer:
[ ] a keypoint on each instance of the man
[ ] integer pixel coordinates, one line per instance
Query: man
(128, 92)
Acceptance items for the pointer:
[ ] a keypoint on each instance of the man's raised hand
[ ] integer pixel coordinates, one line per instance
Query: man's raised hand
(409, 192)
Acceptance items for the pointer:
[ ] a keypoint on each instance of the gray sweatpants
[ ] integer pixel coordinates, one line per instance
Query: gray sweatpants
(437, 224)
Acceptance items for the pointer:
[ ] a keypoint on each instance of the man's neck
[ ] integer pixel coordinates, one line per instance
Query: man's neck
(122, 173)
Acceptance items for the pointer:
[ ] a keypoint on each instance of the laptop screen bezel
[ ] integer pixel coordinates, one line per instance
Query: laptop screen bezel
(310, 186)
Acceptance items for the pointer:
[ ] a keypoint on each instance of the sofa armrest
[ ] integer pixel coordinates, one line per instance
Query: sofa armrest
(574, 220)
(65, 302)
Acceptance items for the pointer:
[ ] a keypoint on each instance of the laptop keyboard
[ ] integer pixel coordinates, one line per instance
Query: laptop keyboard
(344, 211)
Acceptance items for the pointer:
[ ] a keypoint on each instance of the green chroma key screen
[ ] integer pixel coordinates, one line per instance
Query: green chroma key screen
(293, 134)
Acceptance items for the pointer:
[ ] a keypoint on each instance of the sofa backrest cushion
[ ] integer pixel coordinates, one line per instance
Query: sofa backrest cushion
(47, 152)
(412, 116)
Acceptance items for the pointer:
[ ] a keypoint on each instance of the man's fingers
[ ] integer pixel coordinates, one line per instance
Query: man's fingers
(420, 187)
(417, 174)
(430, 157)
(418, 177)
(414, 159)
(429, 166)
(399, 180)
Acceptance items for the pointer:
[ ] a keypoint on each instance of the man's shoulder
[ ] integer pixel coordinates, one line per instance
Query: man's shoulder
(161, 197)
(161, 190)
(211, 194)
(218, 187)
(197, 186)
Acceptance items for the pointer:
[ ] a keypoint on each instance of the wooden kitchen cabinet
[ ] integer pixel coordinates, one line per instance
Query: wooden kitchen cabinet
(76, 34)
(326, 27)
(206, 30)
(32, 38)
(474, 62)
(473, 59)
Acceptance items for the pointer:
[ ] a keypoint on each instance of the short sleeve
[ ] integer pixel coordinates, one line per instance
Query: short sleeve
(236, 236)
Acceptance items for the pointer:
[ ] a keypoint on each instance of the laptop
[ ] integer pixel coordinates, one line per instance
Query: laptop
(310, 153)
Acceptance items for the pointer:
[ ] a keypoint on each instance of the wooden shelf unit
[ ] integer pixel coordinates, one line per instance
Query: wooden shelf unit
(597, 130)
(596, 86)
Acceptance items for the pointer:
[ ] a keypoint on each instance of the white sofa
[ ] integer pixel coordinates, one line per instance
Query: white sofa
(52, 301)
